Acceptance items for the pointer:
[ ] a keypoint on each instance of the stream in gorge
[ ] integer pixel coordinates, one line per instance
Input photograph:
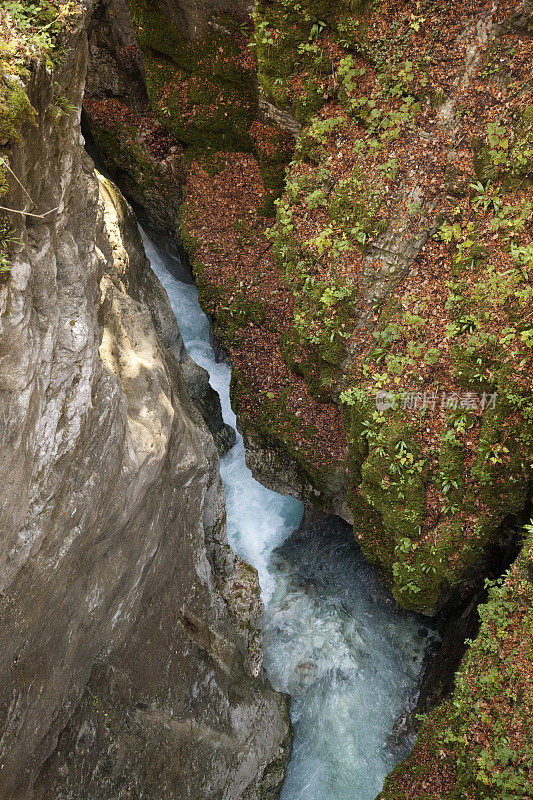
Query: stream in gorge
(332, 637)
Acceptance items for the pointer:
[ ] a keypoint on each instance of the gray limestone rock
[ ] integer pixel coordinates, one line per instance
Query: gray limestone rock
(129, 666)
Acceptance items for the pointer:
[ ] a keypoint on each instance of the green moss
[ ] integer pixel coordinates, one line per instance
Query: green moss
(503, 465)
(237, 314)
(15, 112)
(380, 501)
(273, 150)
(274, 182)
(388, 479)
(202, 92)
(351, 27)
(393, 477)
(354, 209)
(387, 499)
(15, 109)
(4, 185)
(317, 355)
(196, 109)
(325, 310)
(395, 464)
(376, 542)
(218, 54)
(477, 744)
(289, 53)
(287, 40)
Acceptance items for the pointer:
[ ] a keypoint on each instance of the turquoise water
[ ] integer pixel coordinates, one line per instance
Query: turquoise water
(332, 638)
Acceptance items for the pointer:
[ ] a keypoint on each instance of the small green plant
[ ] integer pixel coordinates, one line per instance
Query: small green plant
(263, 34)
(63, 105)
(486, 196)
(7, 239)
(348, 74)
(37, 25)
(416, 22)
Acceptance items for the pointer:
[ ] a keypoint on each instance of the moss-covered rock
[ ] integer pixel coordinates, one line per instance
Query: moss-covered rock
(478, 743)
(432, 519)
(15, 109)
(202, 91)
(293, 63)
(390, 477)
(15, 112)
(273, 148)
(152, 178)
(293, 452)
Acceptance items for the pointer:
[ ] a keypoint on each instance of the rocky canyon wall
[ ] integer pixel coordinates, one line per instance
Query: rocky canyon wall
(399, 265)
(129, 665)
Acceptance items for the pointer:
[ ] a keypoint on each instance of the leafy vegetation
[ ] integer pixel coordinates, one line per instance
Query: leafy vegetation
(345, 189)
(29, 32)
(7, 240)
(478, 743)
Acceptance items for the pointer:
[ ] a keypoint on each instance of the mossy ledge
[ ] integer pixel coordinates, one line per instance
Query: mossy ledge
(204, 91)
(477, 744)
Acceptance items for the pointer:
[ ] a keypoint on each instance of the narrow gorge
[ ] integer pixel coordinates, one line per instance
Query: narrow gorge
(266, 333)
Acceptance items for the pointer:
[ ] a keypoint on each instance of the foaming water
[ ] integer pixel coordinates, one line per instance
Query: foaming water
(332, 639)
(335, 642)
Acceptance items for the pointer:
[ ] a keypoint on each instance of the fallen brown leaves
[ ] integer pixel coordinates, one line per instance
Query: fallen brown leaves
(223, 215)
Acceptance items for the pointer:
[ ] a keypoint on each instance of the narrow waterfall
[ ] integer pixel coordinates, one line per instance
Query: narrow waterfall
(332, 638)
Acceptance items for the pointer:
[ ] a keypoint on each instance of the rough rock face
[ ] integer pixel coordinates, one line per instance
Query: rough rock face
(130, 645)
(116, 70)
(116, 66)
(193, 19)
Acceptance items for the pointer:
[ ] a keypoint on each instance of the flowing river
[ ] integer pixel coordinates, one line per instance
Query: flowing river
(332, 638)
